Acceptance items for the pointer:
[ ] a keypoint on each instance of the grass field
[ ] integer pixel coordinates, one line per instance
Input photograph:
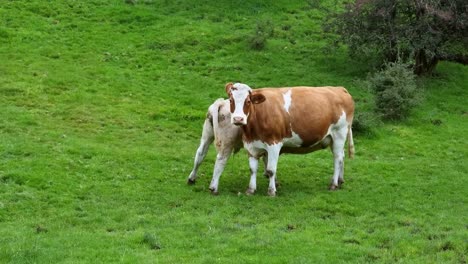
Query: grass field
(102, 105)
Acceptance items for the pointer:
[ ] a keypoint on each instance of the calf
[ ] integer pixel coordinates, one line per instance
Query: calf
(292, 120)
(227, 138)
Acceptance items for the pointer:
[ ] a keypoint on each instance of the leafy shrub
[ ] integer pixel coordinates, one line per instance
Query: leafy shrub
(422, 31)
(364, 123)
(395, 91)
(263, 30)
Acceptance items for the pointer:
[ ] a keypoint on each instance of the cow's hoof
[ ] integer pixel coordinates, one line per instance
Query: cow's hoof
(333, 187)
(271, 192)
(214, 191)
(250, 191)
(191, 181)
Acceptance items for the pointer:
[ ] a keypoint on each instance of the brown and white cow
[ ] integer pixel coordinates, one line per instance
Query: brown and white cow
(292, 120)
(227, 138)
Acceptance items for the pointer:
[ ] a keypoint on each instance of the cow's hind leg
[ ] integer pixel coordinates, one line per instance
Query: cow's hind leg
(339, 139)
(205, 141)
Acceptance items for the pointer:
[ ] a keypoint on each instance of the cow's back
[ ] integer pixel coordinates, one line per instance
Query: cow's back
(314, 109)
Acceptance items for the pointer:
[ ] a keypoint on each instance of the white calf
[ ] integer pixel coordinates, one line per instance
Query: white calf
(228, 139)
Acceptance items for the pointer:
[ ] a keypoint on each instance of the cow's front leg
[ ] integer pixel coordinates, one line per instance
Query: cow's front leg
(253, 164)
(265, 163)
(273, 156)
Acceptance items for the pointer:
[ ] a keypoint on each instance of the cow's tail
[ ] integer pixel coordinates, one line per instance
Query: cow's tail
(350, 143)
(214, 111)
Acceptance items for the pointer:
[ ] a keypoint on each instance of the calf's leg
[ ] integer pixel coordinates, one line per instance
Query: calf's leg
(221, 159)
(205, 141)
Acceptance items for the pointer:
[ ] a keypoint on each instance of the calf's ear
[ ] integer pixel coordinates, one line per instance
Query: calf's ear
(229, 87)
(257, 98)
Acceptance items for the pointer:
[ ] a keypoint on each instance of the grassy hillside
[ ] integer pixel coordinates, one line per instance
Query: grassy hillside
(102, 104)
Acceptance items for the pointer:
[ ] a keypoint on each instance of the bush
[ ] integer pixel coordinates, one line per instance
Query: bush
(364, 123)
(422, 31)
(395, 91)
(263, 30)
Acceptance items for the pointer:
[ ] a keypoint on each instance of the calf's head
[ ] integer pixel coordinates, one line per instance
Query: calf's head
(242, 100)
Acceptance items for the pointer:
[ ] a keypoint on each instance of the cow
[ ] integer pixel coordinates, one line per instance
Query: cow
(228, 140)
(292, 120)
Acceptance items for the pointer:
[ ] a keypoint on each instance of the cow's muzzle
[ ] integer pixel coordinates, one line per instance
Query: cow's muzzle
(239, 121)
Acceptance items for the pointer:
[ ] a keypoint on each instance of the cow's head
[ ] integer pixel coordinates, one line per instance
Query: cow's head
(242, 99)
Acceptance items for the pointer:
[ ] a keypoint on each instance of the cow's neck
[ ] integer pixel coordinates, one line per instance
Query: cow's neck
(259, 128)
(251, 130)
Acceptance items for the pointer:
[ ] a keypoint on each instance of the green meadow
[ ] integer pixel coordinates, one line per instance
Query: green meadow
(102, 104)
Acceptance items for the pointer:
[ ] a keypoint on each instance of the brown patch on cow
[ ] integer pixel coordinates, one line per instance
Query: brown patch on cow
(311, 113)
(228, 87)
(257, 98)
(247, 105)
(231, 105)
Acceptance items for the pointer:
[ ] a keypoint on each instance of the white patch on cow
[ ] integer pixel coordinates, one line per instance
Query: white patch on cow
(336, 126)
(239, 93)
(342, 122)
(241, 86)
(294, 141)
(287, 100)
(256, 148)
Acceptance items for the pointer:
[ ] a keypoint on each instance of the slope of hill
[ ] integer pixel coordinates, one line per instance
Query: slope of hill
(102, 105)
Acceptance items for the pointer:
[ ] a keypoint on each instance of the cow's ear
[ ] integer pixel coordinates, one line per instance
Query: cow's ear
(229, 87)
(257, 98)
